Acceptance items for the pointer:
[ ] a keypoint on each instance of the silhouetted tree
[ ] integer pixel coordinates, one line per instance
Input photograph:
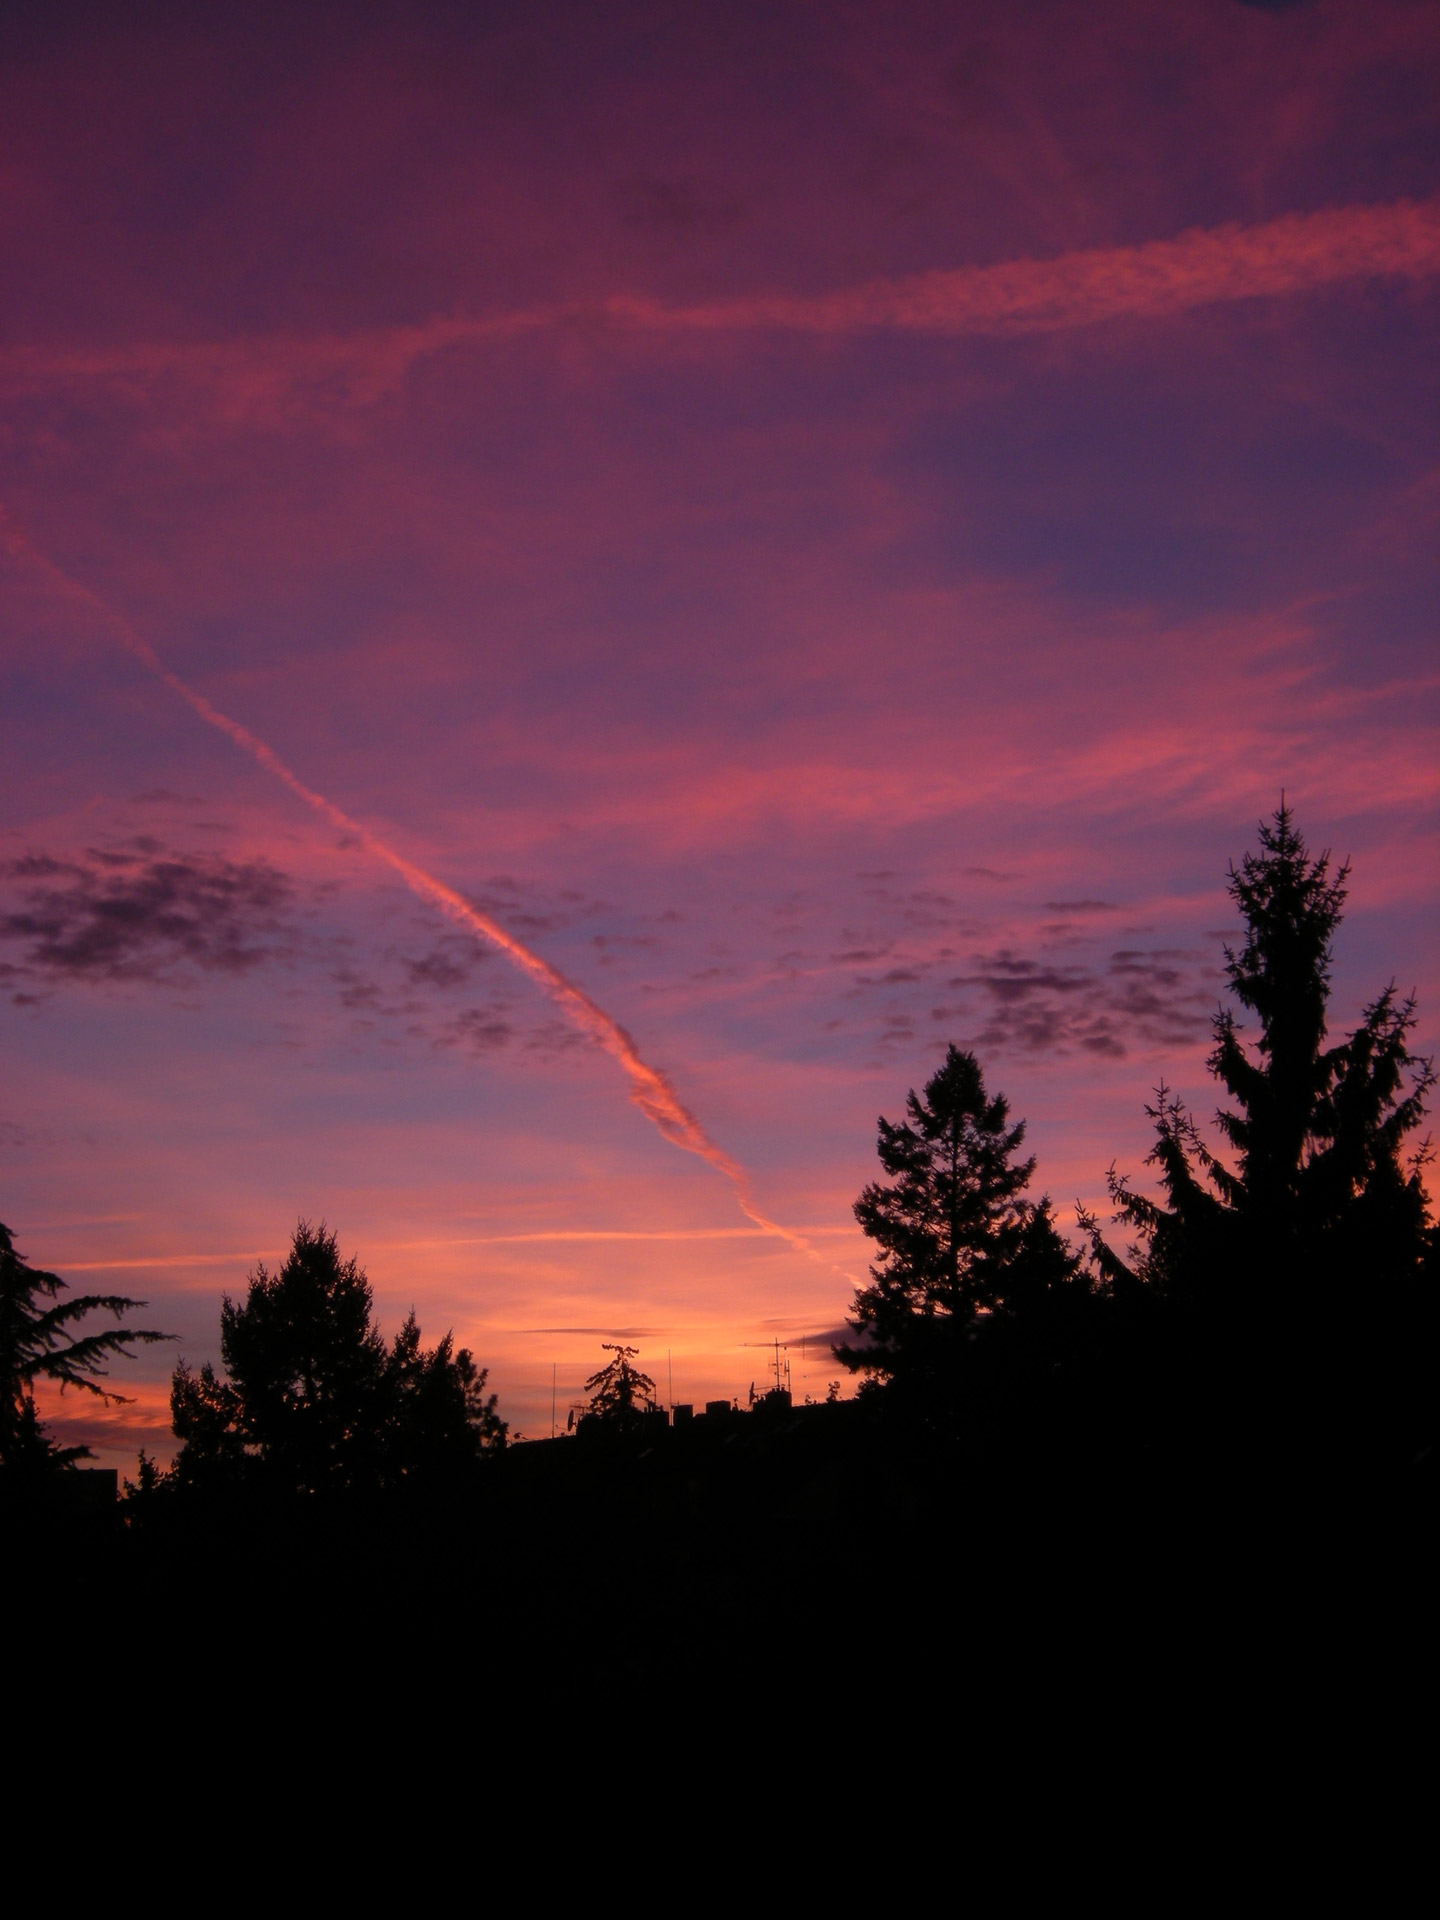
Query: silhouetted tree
(206, 1416)
(958, 1240)
(307, 1366)
(1320, 1204)
(441, 1418)
(620, 1394)
(314, 1399)
(37, 1343)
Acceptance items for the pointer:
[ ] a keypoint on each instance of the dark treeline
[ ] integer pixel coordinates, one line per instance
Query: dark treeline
(1287, 1286)
(1235, 1378)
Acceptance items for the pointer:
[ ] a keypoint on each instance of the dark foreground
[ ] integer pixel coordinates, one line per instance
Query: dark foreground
(832, 1554)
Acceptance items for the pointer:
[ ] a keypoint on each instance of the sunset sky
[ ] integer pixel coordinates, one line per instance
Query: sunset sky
(828, 524)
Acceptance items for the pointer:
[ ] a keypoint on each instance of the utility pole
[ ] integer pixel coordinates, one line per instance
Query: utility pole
(553, 1366)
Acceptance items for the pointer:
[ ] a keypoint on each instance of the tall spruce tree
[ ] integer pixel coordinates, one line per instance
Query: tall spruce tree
(1320, 1201)
(958, 1240)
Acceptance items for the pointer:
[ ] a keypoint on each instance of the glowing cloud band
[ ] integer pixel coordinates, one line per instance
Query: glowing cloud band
(1297, 253)
(650, 1089)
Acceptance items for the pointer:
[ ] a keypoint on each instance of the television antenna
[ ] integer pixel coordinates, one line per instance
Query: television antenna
(779, 1364)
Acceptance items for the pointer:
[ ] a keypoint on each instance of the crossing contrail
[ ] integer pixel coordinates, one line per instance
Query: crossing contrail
(650, 1088)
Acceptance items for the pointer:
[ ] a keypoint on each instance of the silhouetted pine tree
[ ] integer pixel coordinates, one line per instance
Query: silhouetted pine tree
(958, 1241)
(1320, 1198)
(37, 1343)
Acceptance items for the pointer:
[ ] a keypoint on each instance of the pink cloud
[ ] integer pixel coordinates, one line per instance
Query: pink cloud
(275, 380)
(1296, 254)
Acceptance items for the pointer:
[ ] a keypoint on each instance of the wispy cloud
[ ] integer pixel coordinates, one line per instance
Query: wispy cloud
(557, 1235)
(1294, 254)
(266, 379)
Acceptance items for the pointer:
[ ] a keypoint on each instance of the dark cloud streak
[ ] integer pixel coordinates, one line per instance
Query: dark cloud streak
(1148, 997)
(138, 914)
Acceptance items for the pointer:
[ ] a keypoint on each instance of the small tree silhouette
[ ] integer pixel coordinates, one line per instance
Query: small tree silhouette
(620, 1393)
(36, 1343)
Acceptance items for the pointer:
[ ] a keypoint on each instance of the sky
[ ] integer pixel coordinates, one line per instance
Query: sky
(772, 537)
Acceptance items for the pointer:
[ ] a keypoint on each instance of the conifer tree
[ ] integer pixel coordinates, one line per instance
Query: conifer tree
(40, 1340)
(958, 1240)
(307, 1364)
(1319, 1195)
(312, 1399)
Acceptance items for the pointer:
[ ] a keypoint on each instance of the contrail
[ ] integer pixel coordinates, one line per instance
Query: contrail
(1296, 253)
(650, 1089)
(268, 377)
